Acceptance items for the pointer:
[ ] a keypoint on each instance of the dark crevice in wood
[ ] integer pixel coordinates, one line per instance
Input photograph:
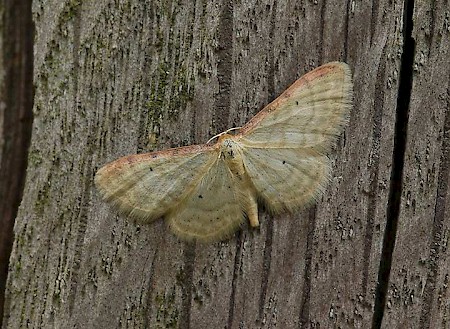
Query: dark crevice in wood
(438, 241)
(374, 166)
(17, 96)
(267, 260)
(237, 262)
(306, 291)
(186, 285)
(224, 68)
(398, 158)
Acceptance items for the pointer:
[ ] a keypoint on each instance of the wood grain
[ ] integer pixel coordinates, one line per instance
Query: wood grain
(117, 77)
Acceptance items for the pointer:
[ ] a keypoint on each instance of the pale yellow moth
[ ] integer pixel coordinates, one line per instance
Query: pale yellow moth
(279, 158)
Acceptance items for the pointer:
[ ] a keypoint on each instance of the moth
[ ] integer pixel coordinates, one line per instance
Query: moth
(279, 159)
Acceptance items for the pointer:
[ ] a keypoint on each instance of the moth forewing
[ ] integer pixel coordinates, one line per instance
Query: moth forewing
(146, 186)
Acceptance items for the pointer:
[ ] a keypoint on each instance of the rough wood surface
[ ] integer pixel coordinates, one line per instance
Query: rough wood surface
(120, 77)
(418, 293)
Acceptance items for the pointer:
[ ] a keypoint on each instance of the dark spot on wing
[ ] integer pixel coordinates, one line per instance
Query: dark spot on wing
(284, 162)
(200, 196)
(151, 169)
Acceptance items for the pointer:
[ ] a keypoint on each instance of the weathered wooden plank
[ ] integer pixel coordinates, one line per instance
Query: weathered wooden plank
(119, 77)
(418, 293)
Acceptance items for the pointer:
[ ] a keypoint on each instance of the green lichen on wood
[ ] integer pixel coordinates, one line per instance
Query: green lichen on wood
(34, 158)
(156, 103)
(43, 197)
(201, 291)
(173, 79)
(69, 12)
(169, 94)
(167, 315)
(182, 93)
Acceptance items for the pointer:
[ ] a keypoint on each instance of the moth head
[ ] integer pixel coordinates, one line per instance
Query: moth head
(228, 146)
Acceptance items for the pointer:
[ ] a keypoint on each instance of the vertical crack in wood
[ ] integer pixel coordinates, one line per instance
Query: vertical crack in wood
(438, 236)
(306, 291)
(398, 159)
(374, 167)
(17, 95)
(224, 67)
(236, 269)
(187, 284)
